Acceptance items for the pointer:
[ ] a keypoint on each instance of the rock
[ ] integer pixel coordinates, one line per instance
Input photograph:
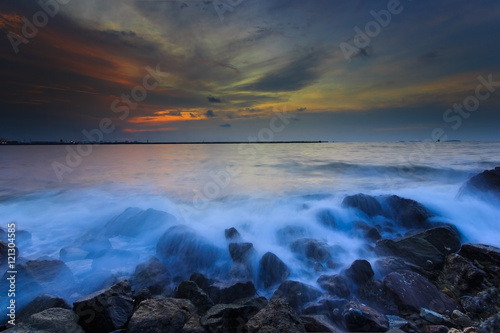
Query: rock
(272, 270)
(361, 318)
(412, 291)
(486, 255)
(336, 285)
(232, 317)
(4, 252)
(487, 182)
(373, 294)
(165, 315)
(491, 325)
(360, 271)
(365, 203)
(201, 280)
(53, 320)
(39, 304)
(332, 308)
(184, 249)
(276, 317)
(366, 231)
(223, 292)
(406, 212)
(296, 294)
(388, 265)
(460, 276)
(232, 234)
(436, 329)
(241, 252)
(461, 318)
(105, 310)
(190, 290)
(396, 321)
(326, 218)
(151, 278)
(312, 249)
(318, 323)
(431, 316)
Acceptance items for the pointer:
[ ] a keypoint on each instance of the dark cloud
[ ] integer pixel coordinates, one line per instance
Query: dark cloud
(225, 125)
(213, 99)
(302, 109)
(209, 114)
(429, 57)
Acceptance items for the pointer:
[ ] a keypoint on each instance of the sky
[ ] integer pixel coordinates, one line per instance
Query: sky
(249, 70)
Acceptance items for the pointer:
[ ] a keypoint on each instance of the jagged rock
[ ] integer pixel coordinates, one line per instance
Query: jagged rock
(151, 278)
(312, 249)
(431, 316)
(318, 323)
(229, 318)
(272, 270)
(360, 271)
(373, 293)
(296, 294)
(232, 234)
(412, 291)
(460, 276)
(276, 317)
(201, 280)
(39, 304)
(486, 255)
(222, 292)
(361, 318)
(53, 320)
(240, 252)
(190, 290)
(134, 222)
(487, 182)
(337, 285)
(365, 203)
(105, 310)
(165, 315)
(406, 212)
(388, 265)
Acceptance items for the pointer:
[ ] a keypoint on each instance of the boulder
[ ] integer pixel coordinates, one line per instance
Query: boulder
(311, 249)
(460, 276)
(276, 317)
(388, 265)
(362, 318)
(232, 317)
(272, 270)
(105, 310)
(364, 203)
(412, 291)
(232, 234)
(487, 182)
(360, 271)
(39, 304)
(318, 323)
(52, 320)
(241, 252)
(201, 280)
(332, 308)
(373, 294)
(227, 292)
(336, 285)
(296, 294)
(135, 222)
(406, 213)
(151, 278)
(190, 290)
(165, 315)
(486, 255)
(432, 316)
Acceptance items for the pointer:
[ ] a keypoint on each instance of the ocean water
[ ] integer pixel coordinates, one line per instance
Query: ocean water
(258, 189)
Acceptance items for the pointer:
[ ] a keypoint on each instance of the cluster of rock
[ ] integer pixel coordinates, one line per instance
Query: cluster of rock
(425, 280)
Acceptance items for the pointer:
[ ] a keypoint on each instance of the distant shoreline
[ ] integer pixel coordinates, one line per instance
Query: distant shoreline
(50, 143)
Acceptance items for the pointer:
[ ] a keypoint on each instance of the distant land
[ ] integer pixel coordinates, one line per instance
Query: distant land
(40, 143)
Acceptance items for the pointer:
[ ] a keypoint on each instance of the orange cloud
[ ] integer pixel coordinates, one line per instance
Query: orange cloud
(142, 130)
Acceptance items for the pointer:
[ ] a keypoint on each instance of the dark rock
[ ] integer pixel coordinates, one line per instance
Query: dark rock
(361, 318)
(296, 294)
(276, 317)
(201, 280)
(365, 203)
(491, 325)
(229, 318)
(436, 329)
(406, 212)
(460, 276)
(366, 231)
(432, 316)
(388, 265)
(222, 292)
(240, 252)
(373, 293)
(336, 285)
(288, 234)
(318, 323)
(39, 304)
(232, 234)
(165, 315)
(487, 182)
(483, 304)
(151, 278)
(190, 290)
(461, 319)
(444, 238)
(326, 218)
(486, 255)
(134, 222)
(53, 320)
(412, 291)
(360, 271)
(105, 310)
(272, 270)
(330, 307)
(184, 249)
(312, 249)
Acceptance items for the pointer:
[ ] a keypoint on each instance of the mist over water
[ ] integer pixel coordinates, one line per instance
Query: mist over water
(261, 190)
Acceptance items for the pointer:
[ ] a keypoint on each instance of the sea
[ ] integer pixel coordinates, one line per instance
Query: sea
(60, 193)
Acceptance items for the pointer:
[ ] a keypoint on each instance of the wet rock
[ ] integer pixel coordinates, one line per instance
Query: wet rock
(201, 280)
(406, 212)
(366, 231)
(151, 278)
(388, 265)
(365, 203)
(332, 308)
(436, 329)
(396, 321)
(105, 310)
(373, 293)
(53, 320)
(461, 318)
(412, 291)
(165, 315)
(232, 234)
(39, 304)
(431, 316)
(223, 292)
(272, 270)
(296, 294)
(190, 290)
(361, 318)
(318, 323)
(229, 318)
(460, 276)
(487, 182)
(360, 271)
(276, 317)
(491, 325)
(486, 255)
(326, 218)
(337, 285)
(241, 252)
(312, 249)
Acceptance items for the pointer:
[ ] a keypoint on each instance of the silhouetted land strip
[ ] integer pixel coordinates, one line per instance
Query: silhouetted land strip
(39, 143)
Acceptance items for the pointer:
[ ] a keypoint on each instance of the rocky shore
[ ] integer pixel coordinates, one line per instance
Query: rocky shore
(425, 279)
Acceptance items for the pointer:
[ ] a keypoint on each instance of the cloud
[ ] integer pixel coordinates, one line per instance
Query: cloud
(225, 125)
(213, 99)
(429, 57)
(209, 114)
(302, 109)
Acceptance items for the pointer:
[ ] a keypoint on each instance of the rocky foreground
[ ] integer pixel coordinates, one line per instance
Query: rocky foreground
(425, 280)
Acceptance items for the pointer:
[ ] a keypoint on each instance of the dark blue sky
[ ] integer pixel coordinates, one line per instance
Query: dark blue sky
(218, 71)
